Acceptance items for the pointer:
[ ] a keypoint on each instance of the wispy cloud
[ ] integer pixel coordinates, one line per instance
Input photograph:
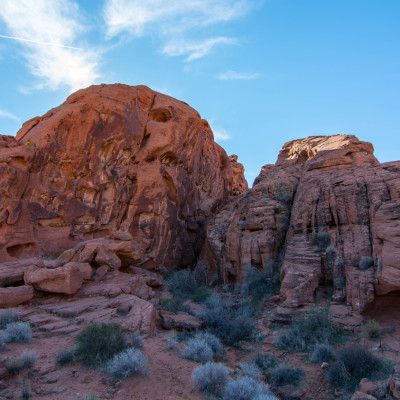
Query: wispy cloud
(181, 27)
(5, 114)
(220, 134)
(47, 32)
(233, 75)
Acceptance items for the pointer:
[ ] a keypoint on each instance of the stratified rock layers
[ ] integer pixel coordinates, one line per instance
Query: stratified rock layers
(327, 211)
(113, 158)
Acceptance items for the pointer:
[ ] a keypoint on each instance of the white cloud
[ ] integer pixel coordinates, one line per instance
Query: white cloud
(176, 23)
(232, 75)
(57, 25)
(5, 114)
(221, 134)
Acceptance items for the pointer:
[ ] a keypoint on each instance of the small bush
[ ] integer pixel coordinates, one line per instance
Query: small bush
(123, 310)
(231, 323)
(283, 375)
(3, 340)
(14, 365)
(97, 343)
(245, 388)
(370, 329)
(323, 353)
(173, 305)
(260, 284)
(26, 390)
(265, 361)
(197, 350)
(65, 357)
(308, 332)
(251, 370)
(128, 363)
(210, 378)
(181, 284)
(214, 343)
(7, 317)
(19, 332)
(321, 240)
(137, 341)
(365, 263)
(28, 358)
(330, 253)
(200, 295)
(353, 364)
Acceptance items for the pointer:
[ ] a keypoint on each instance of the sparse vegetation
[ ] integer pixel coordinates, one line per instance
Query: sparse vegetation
(283, 375)
(65, 357)
(330, 253)
(97, 343)
(251, 370)
(230, 322)
(323, 353)
(321, 240)
(210, 379)
(18, 332)
(137, 341)
(353, 364)
(370, 329)
(181, 284)
(26, 390)
(365, 263)
(14, 365)
(173, 305)
(128, 363)
(123, 310)
(7, 317)
(308, 332)
(245, 388)
(265, 361)
(197, 350)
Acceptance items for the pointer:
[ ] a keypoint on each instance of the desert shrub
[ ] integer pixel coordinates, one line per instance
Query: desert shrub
(3, 340)
(283, 375)
(323, 353)
(201, 294)
(181, 284)
(123, 310)
(365, 263)
(370, 329)
(265, 361)
(210, 378)
(97, 343)
(260, 284)
(231, 323)
(128, 363)
(308, 332)
(26, 390)
(19, 332)
(137, 341)
(197, 350)
(246, 388)
(321, 240)
(330, 253)
(7, 317)
(250, 369)
(214, 342)
(28, 358)
(353, 364)
(14, 365)
(65, 357)
(173, 305)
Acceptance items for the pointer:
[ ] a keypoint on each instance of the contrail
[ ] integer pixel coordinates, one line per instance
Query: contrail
(39, 42)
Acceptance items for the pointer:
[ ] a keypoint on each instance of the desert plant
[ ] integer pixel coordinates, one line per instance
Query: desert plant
(197, 350)
(321, 240)
(365, 263)
(260, 284)
(250, 369)
(308, 332)
(65, 357)
(97, 343)
(3, 340)
(28, 358)
(137, 341)
(265, 361)
(231, 323)
(14, 365)
(181, 284)
(330, 253)
(323, 353)
(173, 305)
(353, 364)
(210, 378)
(123, 310)
(128, 363)
(283, 375)
(18, 332)
(26, 390)
(7, 317)
(245, 388)
(201, 294)
(214, 342)
(370, 329)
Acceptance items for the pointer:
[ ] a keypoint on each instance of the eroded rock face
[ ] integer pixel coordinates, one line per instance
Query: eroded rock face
(326, 212)
(113, 158)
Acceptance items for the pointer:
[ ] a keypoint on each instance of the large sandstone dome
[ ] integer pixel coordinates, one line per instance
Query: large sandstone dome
(113, 158)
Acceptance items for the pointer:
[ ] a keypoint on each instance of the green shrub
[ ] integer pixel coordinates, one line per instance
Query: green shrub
(231, 323)
(97, 343)
(370, 329)
(137, 341)
(365, 263)
(128, 363)
(18, 332)
(245, 388)
(210, 379)
(308, 332)
(260, 284)
(283, 375)
(201, 294)
(181, 284)
(323, 353)
(353, 364)
(173, 305)
(65, 357)
(321, 240)
(7, 317)
(265, 361)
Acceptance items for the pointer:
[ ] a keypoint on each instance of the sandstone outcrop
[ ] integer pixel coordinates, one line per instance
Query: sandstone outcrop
(326, 213)
(14, 296)
(113, 158)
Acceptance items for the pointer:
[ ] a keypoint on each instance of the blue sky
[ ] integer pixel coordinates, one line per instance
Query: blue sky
(262, 72)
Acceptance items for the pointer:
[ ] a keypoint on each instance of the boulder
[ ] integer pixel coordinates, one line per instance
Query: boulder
(14, 296)
(368, 387)
(362, 396)
(393, 385)
(179, 321)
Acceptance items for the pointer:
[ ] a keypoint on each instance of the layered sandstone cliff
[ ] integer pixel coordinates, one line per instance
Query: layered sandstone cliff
(113, 158)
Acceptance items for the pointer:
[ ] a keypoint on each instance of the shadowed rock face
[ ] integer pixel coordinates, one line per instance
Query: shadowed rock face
(321, 188)
(112, 158)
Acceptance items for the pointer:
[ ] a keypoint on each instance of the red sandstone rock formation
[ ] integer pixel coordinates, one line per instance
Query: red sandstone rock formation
(113, 158)
(320, 188)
